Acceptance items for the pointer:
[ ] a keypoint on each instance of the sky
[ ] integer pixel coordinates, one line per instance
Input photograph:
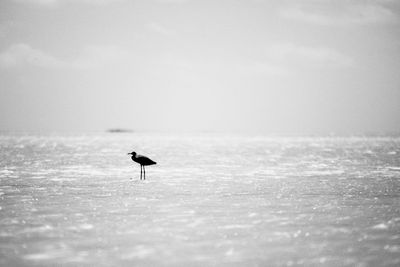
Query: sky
(256, 66)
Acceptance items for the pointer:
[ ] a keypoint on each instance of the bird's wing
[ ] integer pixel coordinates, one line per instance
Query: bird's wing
(144, 160)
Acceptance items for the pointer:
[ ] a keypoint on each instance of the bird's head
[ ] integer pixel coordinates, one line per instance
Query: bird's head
(133, 153)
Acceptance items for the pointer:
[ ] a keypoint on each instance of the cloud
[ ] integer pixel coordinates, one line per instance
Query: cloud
(91, 57)
(158, 28)
(262, 68)
(172, 1)
(303, 55)
(39, 2)
(51, 3)
(22, 54)
(99, 56)
(340, 12)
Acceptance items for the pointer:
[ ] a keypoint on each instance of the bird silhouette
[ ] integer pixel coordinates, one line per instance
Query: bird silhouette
(143, 161)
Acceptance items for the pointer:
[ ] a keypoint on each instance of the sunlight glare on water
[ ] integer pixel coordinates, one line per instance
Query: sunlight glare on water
(217, 200)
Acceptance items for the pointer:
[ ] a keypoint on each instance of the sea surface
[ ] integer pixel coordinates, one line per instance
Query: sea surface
(211, 200)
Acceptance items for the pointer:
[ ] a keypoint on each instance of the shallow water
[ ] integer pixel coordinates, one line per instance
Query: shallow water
(212, 200)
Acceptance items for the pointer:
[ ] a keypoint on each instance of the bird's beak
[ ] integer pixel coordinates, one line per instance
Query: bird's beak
(129, 153)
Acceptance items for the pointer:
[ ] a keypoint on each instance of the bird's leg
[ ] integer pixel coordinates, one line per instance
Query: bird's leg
(144, 172)
(140, 172)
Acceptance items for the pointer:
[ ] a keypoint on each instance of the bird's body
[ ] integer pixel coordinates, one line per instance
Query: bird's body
(143, 161)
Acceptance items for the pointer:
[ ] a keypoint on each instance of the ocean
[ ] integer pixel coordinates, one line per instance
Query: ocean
(211, 200)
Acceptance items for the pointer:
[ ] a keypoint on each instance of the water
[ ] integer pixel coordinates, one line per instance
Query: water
(212, 200)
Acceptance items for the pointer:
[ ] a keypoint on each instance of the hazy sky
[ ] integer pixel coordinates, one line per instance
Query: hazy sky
(312, 66)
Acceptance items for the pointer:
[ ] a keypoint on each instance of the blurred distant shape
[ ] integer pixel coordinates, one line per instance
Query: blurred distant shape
(119, 130)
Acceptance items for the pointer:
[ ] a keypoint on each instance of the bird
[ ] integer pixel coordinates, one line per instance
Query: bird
(143, 161)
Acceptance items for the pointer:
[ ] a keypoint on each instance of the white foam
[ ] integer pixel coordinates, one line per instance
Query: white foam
(229, 252)
(392, 248)
(86, 226)
(380, 226)
(138, 252)
(237, 226)
(6, 171)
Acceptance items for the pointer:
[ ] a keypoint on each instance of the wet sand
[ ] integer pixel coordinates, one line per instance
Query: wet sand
(210, 201)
